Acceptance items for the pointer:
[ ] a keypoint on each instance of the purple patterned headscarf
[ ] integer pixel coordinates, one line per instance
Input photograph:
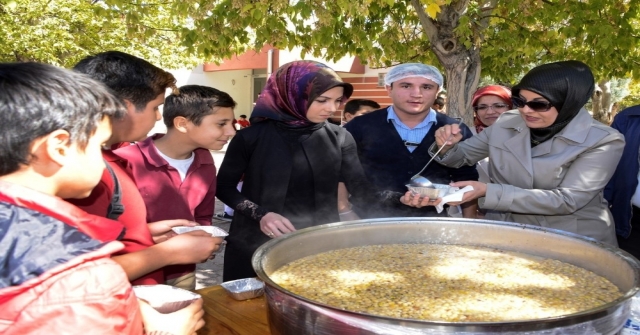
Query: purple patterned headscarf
(290, 91)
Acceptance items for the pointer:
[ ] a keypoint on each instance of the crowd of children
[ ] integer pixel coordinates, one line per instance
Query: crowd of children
(58, 273)
(68, 265)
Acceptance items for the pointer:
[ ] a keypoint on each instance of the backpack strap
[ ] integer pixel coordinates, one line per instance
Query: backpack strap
(116, 208)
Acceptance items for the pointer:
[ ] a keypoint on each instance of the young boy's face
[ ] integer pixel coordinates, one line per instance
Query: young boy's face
(215, 129)
(138, 122)
(362, 111)
(84, 168)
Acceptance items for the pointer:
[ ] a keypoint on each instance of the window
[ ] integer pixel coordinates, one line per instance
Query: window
(381, 79)
(258, 84)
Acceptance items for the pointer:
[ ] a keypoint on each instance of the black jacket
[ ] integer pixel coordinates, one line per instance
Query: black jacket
(389, 165)
(261, 154)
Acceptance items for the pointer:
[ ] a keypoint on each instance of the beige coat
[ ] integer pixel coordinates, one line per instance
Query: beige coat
(483, 165)
(557, 184)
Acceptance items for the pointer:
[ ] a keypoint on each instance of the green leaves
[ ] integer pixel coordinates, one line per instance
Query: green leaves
(61, 32)
(511, 36)
(10, 5)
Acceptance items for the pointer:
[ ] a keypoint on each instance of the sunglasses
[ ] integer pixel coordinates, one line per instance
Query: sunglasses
(495, 107)
(538, 106)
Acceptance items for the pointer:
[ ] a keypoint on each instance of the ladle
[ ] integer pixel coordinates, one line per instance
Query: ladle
(420, 181)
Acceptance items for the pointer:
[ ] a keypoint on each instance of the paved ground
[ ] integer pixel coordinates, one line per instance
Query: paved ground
(210, 272)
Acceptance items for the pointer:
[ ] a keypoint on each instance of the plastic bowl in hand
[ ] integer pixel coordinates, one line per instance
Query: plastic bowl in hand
(164, 298)
(437, 191)
(214, 231)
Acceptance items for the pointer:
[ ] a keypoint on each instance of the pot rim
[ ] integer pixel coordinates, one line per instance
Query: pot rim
(534, 324)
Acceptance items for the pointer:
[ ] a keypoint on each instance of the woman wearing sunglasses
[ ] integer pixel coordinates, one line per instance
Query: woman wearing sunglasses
(549, 160)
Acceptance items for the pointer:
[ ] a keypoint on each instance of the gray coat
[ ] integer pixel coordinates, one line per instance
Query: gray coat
(483, 165)
(557, 184)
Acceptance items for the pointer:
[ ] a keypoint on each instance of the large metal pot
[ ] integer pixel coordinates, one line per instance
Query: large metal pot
(292, 314)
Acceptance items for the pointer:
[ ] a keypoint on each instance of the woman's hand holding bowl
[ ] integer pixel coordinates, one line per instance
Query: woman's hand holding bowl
(479, 190)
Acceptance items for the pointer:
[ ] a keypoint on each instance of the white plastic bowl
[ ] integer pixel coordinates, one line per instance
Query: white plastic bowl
(437, 191)
(214, 231)
(164, 298)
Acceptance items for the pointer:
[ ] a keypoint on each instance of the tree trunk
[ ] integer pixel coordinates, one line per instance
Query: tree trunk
(463, 74)
(20, 58)
(461, 64)
(614, 110)
(601, 102)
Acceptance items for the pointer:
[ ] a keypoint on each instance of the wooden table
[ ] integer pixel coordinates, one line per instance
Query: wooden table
(226, 316)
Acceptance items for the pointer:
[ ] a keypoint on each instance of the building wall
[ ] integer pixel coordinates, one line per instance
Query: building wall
(251, 59)
(365, 86)
(345, 64)
(237, 83)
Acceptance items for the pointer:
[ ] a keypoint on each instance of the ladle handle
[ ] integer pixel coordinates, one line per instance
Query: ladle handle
(437, 152)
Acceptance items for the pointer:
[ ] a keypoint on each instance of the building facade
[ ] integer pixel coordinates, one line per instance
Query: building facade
(244, 76)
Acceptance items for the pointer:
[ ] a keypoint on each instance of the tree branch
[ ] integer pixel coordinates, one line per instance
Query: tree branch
(429, 27)
(487, 8)
(459, 6)
(148, 4)
(159, 29)
(523, 28)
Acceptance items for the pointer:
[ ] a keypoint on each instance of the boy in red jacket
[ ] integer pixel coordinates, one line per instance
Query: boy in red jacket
(175, 173)
(243, 122)
(57, 276)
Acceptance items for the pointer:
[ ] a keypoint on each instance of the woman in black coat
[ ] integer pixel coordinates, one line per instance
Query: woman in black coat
(292, 161)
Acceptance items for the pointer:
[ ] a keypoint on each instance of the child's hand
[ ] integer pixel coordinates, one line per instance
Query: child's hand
(192, 247)
(161, 230)
(183, 322)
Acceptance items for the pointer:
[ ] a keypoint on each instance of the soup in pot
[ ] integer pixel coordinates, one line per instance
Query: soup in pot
(452, 283)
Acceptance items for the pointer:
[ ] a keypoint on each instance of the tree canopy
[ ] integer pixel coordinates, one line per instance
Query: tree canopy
(495, 38)
(498, 38)
(61, 32)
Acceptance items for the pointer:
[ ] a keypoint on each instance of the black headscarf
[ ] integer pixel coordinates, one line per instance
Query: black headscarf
(567, 85)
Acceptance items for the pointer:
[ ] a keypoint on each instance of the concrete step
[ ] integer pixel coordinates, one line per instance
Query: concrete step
(367, 86)
(354, 80)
